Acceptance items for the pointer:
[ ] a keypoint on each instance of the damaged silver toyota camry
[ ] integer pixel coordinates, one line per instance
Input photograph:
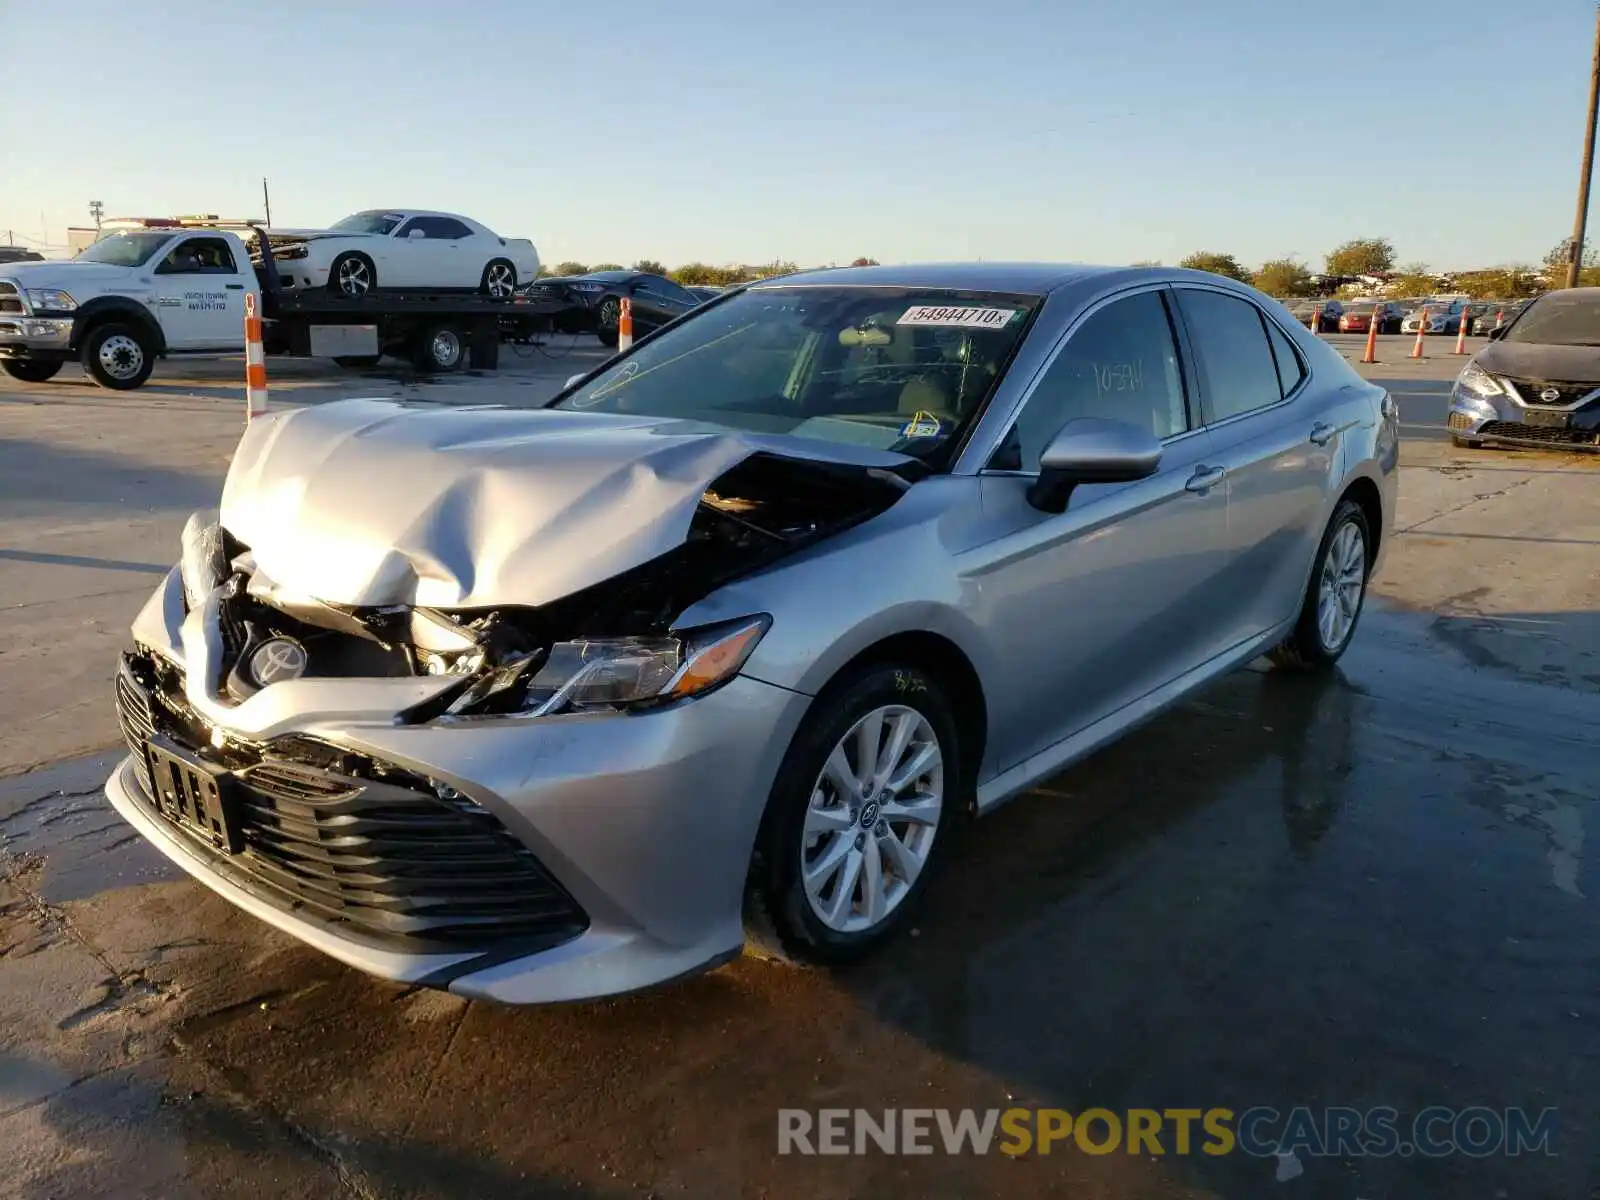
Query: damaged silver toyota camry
(724, 644)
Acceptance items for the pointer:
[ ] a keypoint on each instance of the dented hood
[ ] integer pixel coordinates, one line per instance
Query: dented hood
(368, 502)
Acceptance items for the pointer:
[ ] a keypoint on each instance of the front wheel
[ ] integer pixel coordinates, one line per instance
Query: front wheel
(1335, 595)
(607, 321)
(30, 370)
(352, 276)
(118, 356)
(863, 808)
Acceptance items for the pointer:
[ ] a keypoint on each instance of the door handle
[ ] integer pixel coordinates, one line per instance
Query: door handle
(1204, 479)
(1322, 433)
(235, 287)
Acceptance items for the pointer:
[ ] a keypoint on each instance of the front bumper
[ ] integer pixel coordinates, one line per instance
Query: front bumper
(35, 337)
(1501, 420)
(646, 820)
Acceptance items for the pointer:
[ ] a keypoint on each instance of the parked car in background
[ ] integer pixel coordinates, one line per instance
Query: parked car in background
(1359, 314)
(704, 291)
(1537, 382)
(16, 254)
(1441, 316)
(1324, 314)
(400, 248)
(728, 641)
(592, 303)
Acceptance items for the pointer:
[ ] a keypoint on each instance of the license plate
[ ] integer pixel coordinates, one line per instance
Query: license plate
(1547, 420)
(194, 796)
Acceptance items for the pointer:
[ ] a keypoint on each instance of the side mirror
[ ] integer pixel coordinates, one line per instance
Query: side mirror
(573, 380)
(1092, 450)
(416, 233)
(1496, 334)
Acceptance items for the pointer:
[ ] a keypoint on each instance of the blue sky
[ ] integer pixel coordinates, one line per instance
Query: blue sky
(817, 131)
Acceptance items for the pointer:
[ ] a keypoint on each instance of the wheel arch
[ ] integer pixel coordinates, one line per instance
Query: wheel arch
(1364, 492)
(103, 309)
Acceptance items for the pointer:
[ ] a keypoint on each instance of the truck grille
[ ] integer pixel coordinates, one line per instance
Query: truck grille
(366, 847)
(10, 299)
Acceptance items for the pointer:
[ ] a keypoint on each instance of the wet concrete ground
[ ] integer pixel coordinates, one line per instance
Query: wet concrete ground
(1374, 888)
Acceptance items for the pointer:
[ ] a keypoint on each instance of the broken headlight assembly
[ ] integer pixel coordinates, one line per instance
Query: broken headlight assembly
(614, 674)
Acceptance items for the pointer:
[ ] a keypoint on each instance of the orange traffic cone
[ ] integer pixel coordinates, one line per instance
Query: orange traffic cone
(625, 325)
(1316, 321)
(1371, 356)
(1422, 328)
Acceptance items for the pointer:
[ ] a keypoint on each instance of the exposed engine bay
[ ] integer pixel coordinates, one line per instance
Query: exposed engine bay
(609, 644)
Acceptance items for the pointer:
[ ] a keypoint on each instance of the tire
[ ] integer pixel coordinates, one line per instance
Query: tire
(606, 319)
(352, 275)
(30, 370)
(499, 280)
(1311, 646)
(440, 350)
(786, 920)
(357, 360)
(119, 357)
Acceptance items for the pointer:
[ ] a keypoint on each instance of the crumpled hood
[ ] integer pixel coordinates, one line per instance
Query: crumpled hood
(1530, 360)
(367, 502)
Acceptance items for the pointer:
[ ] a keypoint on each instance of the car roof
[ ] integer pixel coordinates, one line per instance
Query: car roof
(1022, 278)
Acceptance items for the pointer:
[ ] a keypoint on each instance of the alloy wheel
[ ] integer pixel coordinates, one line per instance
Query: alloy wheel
(1344, 576)
(354, 277)
(500, 280)
(873, 815)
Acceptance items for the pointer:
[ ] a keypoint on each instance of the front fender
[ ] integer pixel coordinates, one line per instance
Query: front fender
(119, 308)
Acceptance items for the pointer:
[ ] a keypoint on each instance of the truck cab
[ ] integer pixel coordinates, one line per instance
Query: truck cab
(139, 293)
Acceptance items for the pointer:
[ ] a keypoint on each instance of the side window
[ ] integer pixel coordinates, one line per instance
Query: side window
(1121, 364)
(1290, 369)
(404, 231)
(199, 256)
(447, 228)
(1236, 361)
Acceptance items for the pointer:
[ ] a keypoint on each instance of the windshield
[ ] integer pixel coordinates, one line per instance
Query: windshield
(375, 221)
(891, 368)
(124, 249)
(1572, 319)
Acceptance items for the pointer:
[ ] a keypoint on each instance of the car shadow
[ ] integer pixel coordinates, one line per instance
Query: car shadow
(39, 472)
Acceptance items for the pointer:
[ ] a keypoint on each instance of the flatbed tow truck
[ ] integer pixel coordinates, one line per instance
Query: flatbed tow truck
(176, 286)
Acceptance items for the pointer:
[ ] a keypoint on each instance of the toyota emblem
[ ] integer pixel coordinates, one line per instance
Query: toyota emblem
(278, 660)
(1550, 395)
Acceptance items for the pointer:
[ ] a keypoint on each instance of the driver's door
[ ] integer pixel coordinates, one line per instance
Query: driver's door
(199, 294)
(419, 259)
(1096, 607)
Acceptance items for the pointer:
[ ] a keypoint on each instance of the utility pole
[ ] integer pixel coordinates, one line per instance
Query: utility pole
(1588, 161)
(266, 200)
(96, 209)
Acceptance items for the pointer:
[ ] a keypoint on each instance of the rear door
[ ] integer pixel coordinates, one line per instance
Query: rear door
(1093, 608)
(1280, 448)
(199, 294)
(656, 301)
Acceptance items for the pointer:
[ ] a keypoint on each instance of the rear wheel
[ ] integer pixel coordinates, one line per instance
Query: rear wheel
(30, 370)
(440, 350)
(118, 356)
(864, 807)
(1335, 595)
(499, 280)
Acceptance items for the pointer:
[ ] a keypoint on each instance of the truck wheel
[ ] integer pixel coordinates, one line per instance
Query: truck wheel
(357, 360)
(606, 321)
(499, 280)
(118, 356)
(352, 275)
(30, 371)
(440, 350)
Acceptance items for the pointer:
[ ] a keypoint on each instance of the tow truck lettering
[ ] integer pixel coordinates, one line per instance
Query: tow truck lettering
(205, 301)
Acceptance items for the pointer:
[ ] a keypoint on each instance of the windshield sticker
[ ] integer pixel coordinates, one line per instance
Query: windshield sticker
(962, 317)
(624, 377)
(922, 425)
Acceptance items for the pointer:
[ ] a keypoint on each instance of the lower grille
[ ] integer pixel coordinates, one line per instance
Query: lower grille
(1539, 433)
(367, 847)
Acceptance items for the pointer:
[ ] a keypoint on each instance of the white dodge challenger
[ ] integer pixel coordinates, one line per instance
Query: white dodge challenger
(403, 248)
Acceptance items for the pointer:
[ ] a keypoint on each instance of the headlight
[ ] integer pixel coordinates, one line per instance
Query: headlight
(620, 673)
(50, 298)
(282, 253)
(1476, 380)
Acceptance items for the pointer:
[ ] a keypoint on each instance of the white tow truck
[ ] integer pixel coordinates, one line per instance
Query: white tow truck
(158, 287)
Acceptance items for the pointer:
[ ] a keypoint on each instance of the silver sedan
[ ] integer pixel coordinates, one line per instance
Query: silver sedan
(720, 647)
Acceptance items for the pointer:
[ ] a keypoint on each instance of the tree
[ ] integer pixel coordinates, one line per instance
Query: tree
(865, 262)
(1414, 279)
(1284, 277)
(1362, 256)
(606, 267)
(1499, 283)
(650, 266)
(570, 268)
(1557, 261)
(1217, 264)
(1146, 262)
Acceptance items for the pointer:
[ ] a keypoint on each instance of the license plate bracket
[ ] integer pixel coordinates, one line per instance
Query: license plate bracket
(1546, 420)
(196, 797)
